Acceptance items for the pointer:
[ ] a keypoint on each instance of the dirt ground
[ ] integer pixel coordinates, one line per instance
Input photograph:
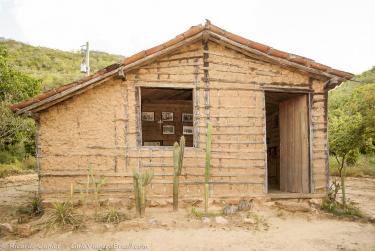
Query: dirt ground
(271, 228)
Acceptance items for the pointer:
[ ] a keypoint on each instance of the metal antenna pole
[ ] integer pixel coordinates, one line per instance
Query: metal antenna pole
(87, 59)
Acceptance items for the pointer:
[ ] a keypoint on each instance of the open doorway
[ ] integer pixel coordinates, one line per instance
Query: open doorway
(166, 114)
(287, 133)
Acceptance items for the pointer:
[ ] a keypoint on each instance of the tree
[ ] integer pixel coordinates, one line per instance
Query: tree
(14, 87)
(345, 140)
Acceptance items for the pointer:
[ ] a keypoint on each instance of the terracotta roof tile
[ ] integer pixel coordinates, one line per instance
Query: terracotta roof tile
(135, 57)
(277, 53)
(179, 38)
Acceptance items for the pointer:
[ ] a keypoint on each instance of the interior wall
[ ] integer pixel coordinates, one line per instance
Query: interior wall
(273, 146)
(153, 130)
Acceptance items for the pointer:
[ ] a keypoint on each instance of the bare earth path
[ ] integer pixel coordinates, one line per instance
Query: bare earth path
(285, 231)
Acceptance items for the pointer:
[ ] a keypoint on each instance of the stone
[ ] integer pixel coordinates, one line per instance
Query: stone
(249, 221)
(152, 221)
(24, 230)
(293, 206)
(206, 220)
(6, 227)
(315, 202)
(221, 220)
(269, 203)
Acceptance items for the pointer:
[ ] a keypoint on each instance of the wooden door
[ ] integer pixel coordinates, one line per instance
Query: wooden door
(294, 145)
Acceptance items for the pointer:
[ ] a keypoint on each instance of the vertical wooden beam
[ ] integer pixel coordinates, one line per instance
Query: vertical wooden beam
(37, 149)
(311, 142)
(206, 86)
(138, 108)
(206, 79)
(196, 105)
(115, 135)
(265, 143)
(326, 138)
(126, 123)
(138, 111)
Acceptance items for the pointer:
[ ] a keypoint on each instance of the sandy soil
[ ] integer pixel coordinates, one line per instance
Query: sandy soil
(162, 229)
(362, 191)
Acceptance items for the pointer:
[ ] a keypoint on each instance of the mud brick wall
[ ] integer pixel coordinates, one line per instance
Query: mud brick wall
(101, 128)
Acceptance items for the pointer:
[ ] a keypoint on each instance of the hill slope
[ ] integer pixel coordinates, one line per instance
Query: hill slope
(56, 67)
(346, 88)
(53, 67)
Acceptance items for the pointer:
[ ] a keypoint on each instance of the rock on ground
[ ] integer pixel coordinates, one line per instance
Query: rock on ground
(221, 220)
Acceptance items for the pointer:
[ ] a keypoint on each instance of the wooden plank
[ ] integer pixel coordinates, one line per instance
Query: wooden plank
(294, 145)
(283, 119)
(305, 174)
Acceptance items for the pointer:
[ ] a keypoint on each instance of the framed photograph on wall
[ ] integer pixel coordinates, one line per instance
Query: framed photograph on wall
(148, 116)
(167, 116)
(151, 143)
(187, 130)
(168, 129)
(187, 117)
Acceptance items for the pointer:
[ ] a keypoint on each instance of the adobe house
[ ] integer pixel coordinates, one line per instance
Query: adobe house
(268, 109)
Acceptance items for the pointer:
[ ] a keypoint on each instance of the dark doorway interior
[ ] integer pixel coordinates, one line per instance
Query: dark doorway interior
(287, 142)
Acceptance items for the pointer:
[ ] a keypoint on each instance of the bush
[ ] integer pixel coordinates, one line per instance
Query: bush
(6, 157)
(9, 169)
(332, 205)
(34, 208)
(114, 216)
(365, 166)
(25, 166)
(62, 214)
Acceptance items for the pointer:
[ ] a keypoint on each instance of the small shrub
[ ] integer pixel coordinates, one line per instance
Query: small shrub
(29, 163)
(62, 214)
(17, 167)
(6, 157)
(365, 166)
(332, 205)
(259, 221)
(114, 216)
(338, 209)
(34, 208)
(9, 169)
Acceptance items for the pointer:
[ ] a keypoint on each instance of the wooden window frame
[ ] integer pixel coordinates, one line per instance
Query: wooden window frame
(138, 95)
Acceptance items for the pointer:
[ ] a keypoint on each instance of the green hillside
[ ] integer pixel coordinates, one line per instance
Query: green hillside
(346, 88)
(53, 67)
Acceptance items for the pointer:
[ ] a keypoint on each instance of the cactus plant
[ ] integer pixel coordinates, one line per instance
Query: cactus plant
(245, 205)
(178, 157)
(98, 183)
(207, 166)
(140, 182)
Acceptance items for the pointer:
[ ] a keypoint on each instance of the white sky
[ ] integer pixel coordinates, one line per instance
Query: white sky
(338, 33)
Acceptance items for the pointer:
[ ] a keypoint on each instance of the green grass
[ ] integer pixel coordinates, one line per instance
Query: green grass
(25, 166)
(337, 209)
(365, 167)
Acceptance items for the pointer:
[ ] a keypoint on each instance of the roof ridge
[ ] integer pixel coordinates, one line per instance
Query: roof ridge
(292, 59)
